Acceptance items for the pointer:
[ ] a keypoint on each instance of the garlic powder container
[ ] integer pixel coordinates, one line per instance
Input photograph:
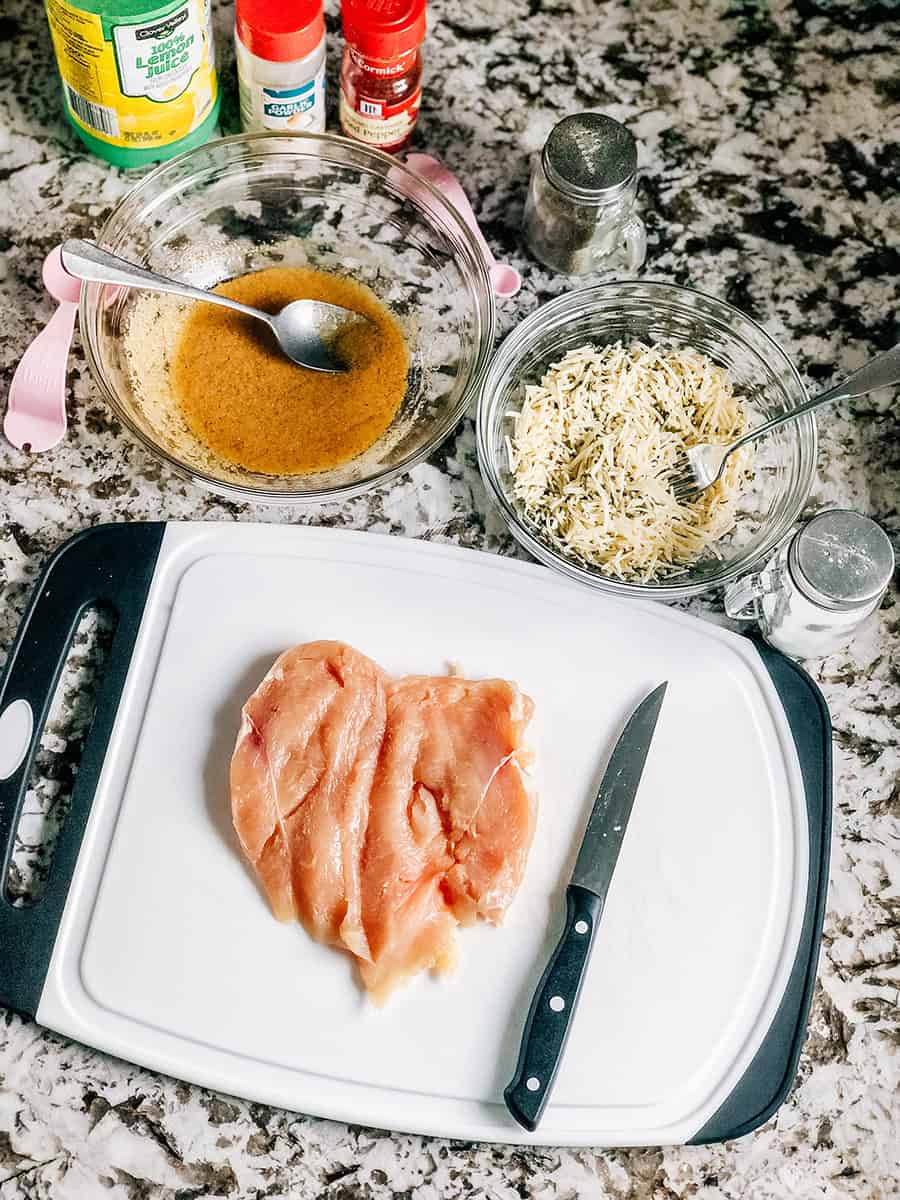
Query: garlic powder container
(280, 52)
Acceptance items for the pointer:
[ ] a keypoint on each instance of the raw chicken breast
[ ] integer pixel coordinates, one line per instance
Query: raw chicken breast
(450, 824)
(382, 813)
(301, 780)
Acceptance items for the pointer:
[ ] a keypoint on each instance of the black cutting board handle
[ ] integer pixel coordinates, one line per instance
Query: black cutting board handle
(768, 1079)
(112, 565)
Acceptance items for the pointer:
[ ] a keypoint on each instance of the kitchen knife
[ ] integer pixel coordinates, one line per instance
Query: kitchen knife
(553, 1006)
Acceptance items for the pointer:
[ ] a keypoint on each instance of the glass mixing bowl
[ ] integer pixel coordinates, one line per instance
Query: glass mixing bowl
(671, 317)
(243, 203)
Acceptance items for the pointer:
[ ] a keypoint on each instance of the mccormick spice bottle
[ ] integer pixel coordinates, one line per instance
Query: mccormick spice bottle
(381, 73)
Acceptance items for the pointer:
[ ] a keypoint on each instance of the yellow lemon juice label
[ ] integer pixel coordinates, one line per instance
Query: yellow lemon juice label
(135, 80)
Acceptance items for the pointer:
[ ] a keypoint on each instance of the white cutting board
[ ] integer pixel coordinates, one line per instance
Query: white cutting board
(167, 954)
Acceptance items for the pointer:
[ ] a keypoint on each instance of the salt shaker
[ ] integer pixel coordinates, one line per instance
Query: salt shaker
(579, 215)
(819, 587)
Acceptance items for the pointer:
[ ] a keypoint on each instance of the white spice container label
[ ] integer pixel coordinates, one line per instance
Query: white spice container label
(286, 109)
(280, 52)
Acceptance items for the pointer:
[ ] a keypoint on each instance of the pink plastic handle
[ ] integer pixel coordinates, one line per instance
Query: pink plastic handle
(36, 414)
(505, 279)
(36, 410)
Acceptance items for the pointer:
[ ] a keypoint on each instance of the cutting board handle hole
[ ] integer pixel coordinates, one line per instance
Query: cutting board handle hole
(58, 755)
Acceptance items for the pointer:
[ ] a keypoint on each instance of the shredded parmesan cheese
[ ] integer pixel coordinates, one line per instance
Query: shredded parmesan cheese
(595, 444)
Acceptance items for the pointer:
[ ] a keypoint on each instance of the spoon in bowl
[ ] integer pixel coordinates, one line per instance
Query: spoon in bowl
(305, 329)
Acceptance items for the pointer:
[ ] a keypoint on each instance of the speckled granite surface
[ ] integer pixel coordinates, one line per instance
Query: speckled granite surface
(769, 138)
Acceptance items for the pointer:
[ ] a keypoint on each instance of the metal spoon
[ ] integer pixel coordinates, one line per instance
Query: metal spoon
(305, 329)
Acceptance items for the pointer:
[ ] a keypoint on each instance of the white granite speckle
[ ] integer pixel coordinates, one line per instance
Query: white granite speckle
(769, 135)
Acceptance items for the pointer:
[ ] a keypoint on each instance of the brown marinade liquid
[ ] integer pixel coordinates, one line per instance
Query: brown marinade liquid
(245, 400)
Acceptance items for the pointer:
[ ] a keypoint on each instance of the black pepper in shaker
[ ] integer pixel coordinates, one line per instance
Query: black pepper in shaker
(579, 215)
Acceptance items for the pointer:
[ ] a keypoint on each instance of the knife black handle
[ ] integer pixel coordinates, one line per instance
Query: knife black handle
(552, 1010)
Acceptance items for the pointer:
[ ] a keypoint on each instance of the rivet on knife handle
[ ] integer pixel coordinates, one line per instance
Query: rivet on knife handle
(552, 1009)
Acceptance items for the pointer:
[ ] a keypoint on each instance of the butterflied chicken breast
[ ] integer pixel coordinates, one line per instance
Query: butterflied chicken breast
(450, 823)
(301, 784)
(382, 813)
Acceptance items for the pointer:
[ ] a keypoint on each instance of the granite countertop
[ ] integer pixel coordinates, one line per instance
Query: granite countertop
(770, 157)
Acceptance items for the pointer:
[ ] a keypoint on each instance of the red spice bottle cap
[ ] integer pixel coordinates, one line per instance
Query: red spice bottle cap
(277, 31)
(383, 28)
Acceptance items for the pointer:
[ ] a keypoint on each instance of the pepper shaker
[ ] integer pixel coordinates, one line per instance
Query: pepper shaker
(820, 587)
(579, 214)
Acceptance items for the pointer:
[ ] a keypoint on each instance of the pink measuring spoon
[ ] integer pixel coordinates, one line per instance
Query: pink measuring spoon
(36, 410)
(505, 279)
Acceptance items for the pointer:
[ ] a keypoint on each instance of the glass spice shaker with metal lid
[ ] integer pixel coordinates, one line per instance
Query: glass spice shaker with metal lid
(820, 587)
(579, 215)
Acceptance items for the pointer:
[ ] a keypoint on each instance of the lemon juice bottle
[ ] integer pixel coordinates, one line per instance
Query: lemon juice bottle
(138, 76)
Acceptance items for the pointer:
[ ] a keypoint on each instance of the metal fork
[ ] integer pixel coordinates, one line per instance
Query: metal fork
(700, 466)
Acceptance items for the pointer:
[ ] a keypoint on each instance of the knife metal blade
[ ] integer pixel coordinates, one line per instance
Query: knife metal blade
(608, 821)
(553, 1006)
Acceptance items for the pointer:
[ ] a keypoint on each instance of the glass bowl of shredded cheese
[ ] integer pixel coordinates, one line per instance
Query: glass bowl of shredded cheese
(583, 419)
